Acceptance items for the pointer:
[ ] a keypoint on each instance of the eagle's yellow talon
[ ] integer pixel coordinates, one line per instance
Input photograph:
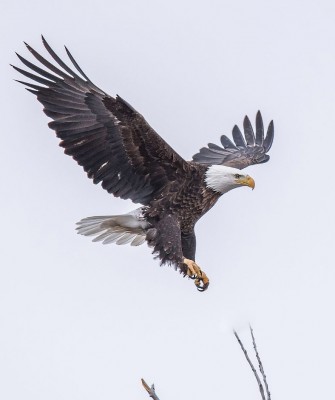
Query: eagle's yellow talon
(194, 272)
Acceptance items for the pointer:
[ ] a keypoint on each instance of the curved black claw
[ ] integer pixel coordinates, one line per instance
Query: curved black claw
(201, 284)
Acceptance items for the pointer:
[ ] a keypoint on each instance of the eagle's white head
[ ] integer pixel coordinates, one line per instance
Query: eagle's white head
(221, 179)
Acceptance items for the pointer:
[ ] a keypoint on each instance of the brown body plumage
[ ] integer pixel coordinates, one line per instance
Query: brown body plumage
(182, 195)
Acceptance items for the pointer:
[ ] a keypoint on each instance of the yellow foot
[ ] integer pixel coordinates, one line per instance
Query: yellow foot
(194, 272)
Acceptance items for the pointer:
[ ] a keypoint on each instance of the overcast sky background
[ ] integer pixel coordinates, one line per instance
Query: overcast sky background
(79, 320)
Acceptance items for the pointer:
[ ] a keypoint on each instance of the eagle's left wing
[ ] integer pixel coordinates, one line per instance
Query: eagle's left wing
(248, 149)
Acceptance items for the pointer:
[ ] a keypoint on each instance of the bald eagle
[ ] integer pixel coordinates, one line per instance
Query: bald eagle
(119, 149)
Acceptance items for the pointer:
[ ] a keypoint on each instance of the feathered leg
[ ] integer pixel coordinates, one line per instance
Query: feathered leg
(166, 238)
(188, 242)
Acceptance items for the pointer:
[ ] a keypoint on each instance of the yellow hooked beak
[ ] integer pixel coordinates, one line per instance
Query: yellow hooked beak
(247, 181)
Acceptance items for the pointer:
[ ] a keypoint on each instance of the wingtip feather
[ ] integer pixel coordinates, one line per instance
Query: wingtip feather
(238, 137)
(44, 40)
(248, 131)
(269, 137)
(29, 47)
(35, 92)
(259, 129)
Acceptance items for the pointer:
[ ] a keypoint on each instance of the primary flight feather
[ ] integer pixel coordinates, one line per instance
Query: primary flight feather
(117, 147)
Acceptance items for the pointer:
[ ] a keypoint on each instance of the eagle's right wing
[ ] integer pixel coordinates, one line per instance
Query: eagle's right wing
(247, 150)
(105, 135)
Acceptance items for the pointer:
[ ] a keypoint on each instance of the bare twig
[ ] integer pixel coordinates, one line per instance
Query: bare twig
(260, 365)
(150, 389)
(153, 395)
(260, 386)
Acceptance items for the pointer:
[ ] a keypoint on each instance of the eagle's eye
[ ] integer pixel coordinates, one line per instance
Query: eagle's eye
(238, 176)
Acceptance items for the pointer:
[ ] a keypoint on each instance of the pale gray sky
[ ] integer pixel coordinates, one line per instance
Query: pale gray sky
(79, 320)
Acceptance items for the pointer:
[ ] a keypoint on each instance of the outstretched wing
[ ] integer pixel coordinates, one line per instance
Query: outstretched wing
(105, 135)
(247, 150)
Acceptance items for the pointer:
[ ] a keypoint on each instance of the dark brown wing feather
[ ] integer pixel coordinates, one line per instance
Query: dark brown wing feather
(247, 150)
(105, 135)
(165, 239)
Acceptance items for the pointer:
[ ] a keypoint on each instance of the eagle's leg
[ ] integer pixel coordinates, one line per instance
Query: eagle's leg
(176, 248)
(194, 272)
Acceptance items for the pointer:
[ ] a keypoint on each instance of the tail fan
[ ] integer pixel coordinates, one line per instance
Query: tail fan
(119, 229)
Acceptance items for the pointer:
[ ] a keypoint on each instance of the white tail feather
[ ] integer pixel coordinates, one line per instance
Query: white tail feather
(119, 229)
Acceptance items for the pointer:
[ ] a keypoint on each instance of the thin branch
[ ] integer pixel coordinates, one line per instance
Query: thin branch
(260, 365)
(150, 390)
(260, 386)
